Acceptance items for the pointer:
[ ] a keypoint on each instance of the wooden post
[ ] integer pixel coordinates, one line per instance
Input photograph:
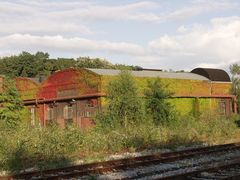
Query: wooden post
(235, 104)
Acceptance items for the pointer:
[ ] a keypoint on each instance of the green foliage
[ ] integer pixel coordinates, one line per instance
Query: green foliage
(196, 108)
(25, 64)
(235, 71)
(158, 108)
(11, 104)
(51, 147)
(39, 64)
(210, 130)
(124, 106)
(87, 62)
(34, 147)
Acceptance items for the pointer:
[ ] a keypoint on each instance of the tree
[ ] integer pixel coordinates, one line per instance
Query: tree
(25, 64)
(87, 62)
(235, 71)
(156, 102)
(36, 65)
(10, 103)
(124, 104)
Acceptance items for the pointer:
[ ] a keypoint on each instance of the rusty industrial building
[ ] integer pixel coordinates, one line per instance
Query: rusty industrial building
(75, 95)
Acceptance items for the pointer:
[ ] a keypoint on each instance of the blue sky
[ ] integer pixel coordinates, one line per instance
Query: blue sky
(165, 34)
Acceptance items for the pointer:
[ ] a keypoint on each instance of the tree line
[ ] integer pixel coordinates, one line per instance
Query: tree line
(40, 64)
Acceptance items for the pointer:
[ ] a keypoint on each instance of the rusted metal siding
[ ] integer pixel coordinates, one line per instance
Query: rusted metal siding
(221, 88)
(80, 112)
(69, 93)
(225, 106)
(69, 82)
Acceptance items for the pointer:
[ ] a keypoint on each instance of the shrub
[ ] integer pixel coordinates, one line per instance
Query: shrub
(11, 104)
(156, 105)
(124, 106)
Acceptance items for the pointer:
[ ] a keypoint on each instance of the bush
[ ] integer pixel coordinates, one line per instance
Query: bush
(124, 106)
(11, 104)
(36, 147)
(156, 103)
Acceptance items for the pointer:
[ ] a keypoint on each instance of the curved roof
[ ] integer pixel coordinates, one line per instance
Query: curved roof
(69, 82)
(145, 73)
(27, 87)
(213, 74)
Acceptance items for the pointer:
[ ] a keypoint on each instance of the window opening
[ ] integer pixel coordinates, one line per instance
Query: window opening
(33, 116)
(68, 113)
(222, 107)
(50, 114)
(91, 103)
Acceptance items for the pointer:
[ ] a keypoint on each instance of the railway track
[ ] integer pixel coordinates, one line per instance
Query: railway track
(168, 161)
(210, 170)
(225, 172)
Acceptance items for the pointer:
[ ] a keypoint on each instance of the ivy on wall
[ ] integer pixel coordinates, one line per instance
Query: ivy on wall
(183, 87)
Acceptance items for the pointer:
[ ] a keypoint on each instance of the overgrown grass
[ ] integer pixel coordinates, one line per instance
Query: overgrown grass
(26, 147)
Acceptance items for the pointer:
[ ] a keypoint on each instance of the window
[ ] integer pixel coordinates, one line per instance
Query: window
(68, 112)
(222, 106)
(91, 103)
(87, 114)
(33, 115)
(49, 113)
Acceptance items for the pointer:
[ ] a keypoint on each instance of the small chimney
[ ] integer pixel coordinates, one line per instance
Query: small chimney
(139, 68)
(146, 69)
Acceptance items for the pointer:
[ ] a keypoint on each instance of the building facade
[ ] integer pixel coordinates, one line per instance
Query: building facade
(76, 95)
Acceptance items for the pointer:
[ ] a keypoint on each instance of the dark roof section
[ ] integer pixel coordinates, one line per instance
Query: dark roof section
(213, 74)
(139, 68)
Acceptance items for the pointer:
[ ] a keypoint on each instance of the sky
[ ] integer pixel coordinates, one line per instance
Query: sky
(161, 34)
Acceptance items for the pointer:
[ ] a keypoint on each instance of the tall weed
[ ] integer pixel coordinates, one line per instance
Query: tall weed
(27, 146)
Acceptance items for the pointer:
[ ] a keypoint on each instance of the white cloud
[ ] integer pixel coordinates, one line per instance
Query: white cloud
(33, 18)
(71, 45)
(195, 8)
(134, 11)
(165, 43)
(216, 45)
(81, 12)
(45, 27)
(66, 18)
(182, 29)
